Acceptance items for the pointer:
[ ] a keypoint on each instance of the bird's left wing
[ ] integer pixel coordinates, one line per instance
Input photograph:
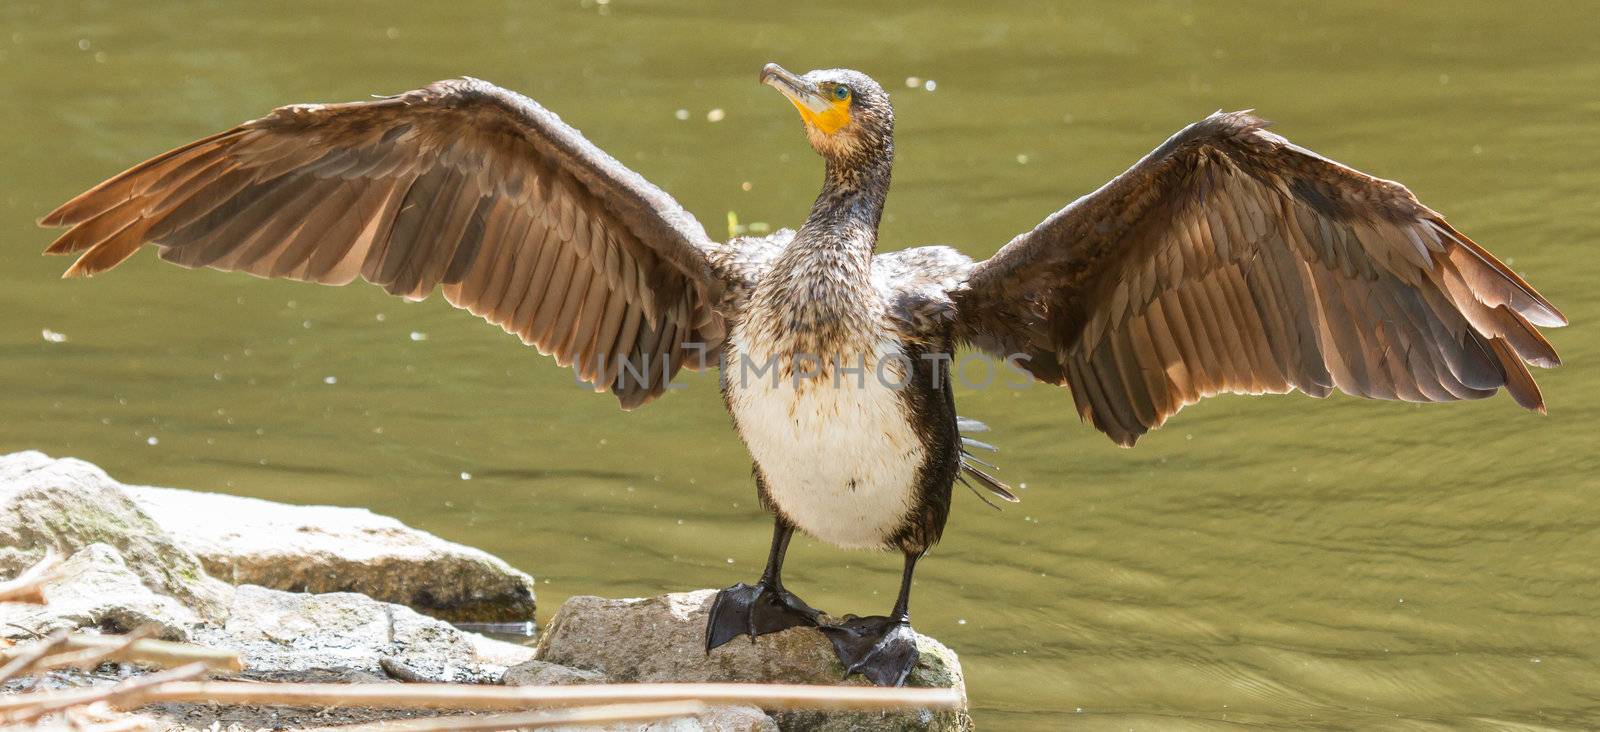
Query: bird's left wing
(1231, 260)
(461, 184)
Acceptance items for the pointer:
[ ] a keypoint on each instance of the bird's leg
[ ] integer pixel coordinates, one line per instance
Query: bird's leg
(883, 649)
(765, 607)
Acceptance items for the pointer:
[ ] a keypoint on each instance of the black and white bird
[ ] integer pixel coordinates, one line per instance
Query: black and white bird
(1227, 260)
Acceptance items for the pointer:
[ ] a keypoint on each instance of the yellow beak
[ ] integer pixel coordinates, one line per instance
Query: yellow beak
(827, 115)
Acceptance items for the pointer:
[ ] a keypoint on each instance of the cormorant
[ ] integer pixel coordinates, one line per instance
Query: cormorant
(1227, 260)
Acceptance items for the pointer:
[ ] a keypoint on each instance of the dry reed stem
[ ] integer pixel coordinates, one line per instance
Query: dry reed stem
(24, 659)
(607, 714)
(28, 586)
(98, 717)
(455, 696)
(159, 652)
(129, 693)
(88, 658)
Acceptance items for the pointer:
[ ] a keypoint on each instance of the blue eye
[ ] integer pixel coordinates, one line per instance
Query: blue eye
(841, 92)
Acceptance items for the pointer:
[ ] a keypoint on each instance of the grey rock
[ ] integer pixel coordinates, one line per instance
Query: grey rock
(332, 549)
(174, 538)
(66, 505)
(740, 718)
(544, 673)
(343, 636)
(662, 639)
(737, 718)
(282, 636)
(127, 569)
(734, 718)
(96, 588)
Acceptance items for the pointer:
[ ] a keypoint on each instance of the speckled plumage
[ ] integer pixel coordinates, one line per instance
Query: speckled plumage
(851, 457)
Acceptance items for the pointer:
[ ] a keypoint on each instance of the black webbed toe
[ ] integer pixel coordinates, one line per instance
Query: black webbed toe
(880, 648)
(755, 610)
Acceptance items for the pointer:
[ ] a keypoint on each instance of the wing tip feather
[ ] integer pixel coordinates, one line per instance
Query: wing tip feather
(80, 269)
(1543, 313)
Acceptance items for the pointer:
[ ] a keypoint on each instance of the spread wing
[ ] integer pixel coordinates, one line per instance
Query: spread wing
(1231, 260)
(461, 183)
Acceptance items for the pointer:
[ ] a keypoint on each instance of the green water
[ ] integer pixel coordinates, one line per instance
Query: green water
(1275, 562)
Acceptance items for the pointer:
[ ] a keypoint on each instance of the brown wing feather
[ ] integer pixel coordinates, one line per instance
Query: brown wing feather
(1231, 260)
(460, 184)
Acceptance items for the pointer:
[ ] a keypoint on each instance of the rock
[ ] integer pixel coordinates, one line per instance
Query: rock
(127, 569)
(66, 505)
(331, 549)
(662, 639)
(737, 718)
(174, 539)
(343, 636)
(543, 673)
(282, 636)
(95, 588)
(740, 718)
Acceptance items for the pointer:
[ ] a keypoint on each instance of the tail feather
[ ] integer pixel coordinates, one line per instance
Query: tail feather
(981, 445)
(981, 497)
(990, 482)
(967, 457)
(970, 465)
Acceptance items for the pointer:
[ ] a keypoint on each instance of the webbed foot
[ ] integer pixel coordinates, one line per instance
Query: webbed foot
(880, 648)
(755, 610)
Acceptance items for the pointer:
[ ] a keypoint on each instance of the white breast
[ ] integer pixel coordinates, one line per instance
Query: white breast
(840, 456)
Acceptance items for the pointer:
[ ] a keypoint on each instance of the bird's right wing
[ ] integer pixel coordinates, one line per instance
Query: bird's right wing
(1232, 260)
(522, 220)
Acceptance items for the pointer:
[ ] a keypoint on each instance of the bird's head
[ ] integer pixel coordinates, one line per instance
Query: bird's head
(847, 115)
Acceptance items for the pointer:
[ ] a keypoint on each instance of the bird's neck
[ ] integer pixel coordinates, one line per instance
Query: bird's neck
(820, 288)
(843, 223)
